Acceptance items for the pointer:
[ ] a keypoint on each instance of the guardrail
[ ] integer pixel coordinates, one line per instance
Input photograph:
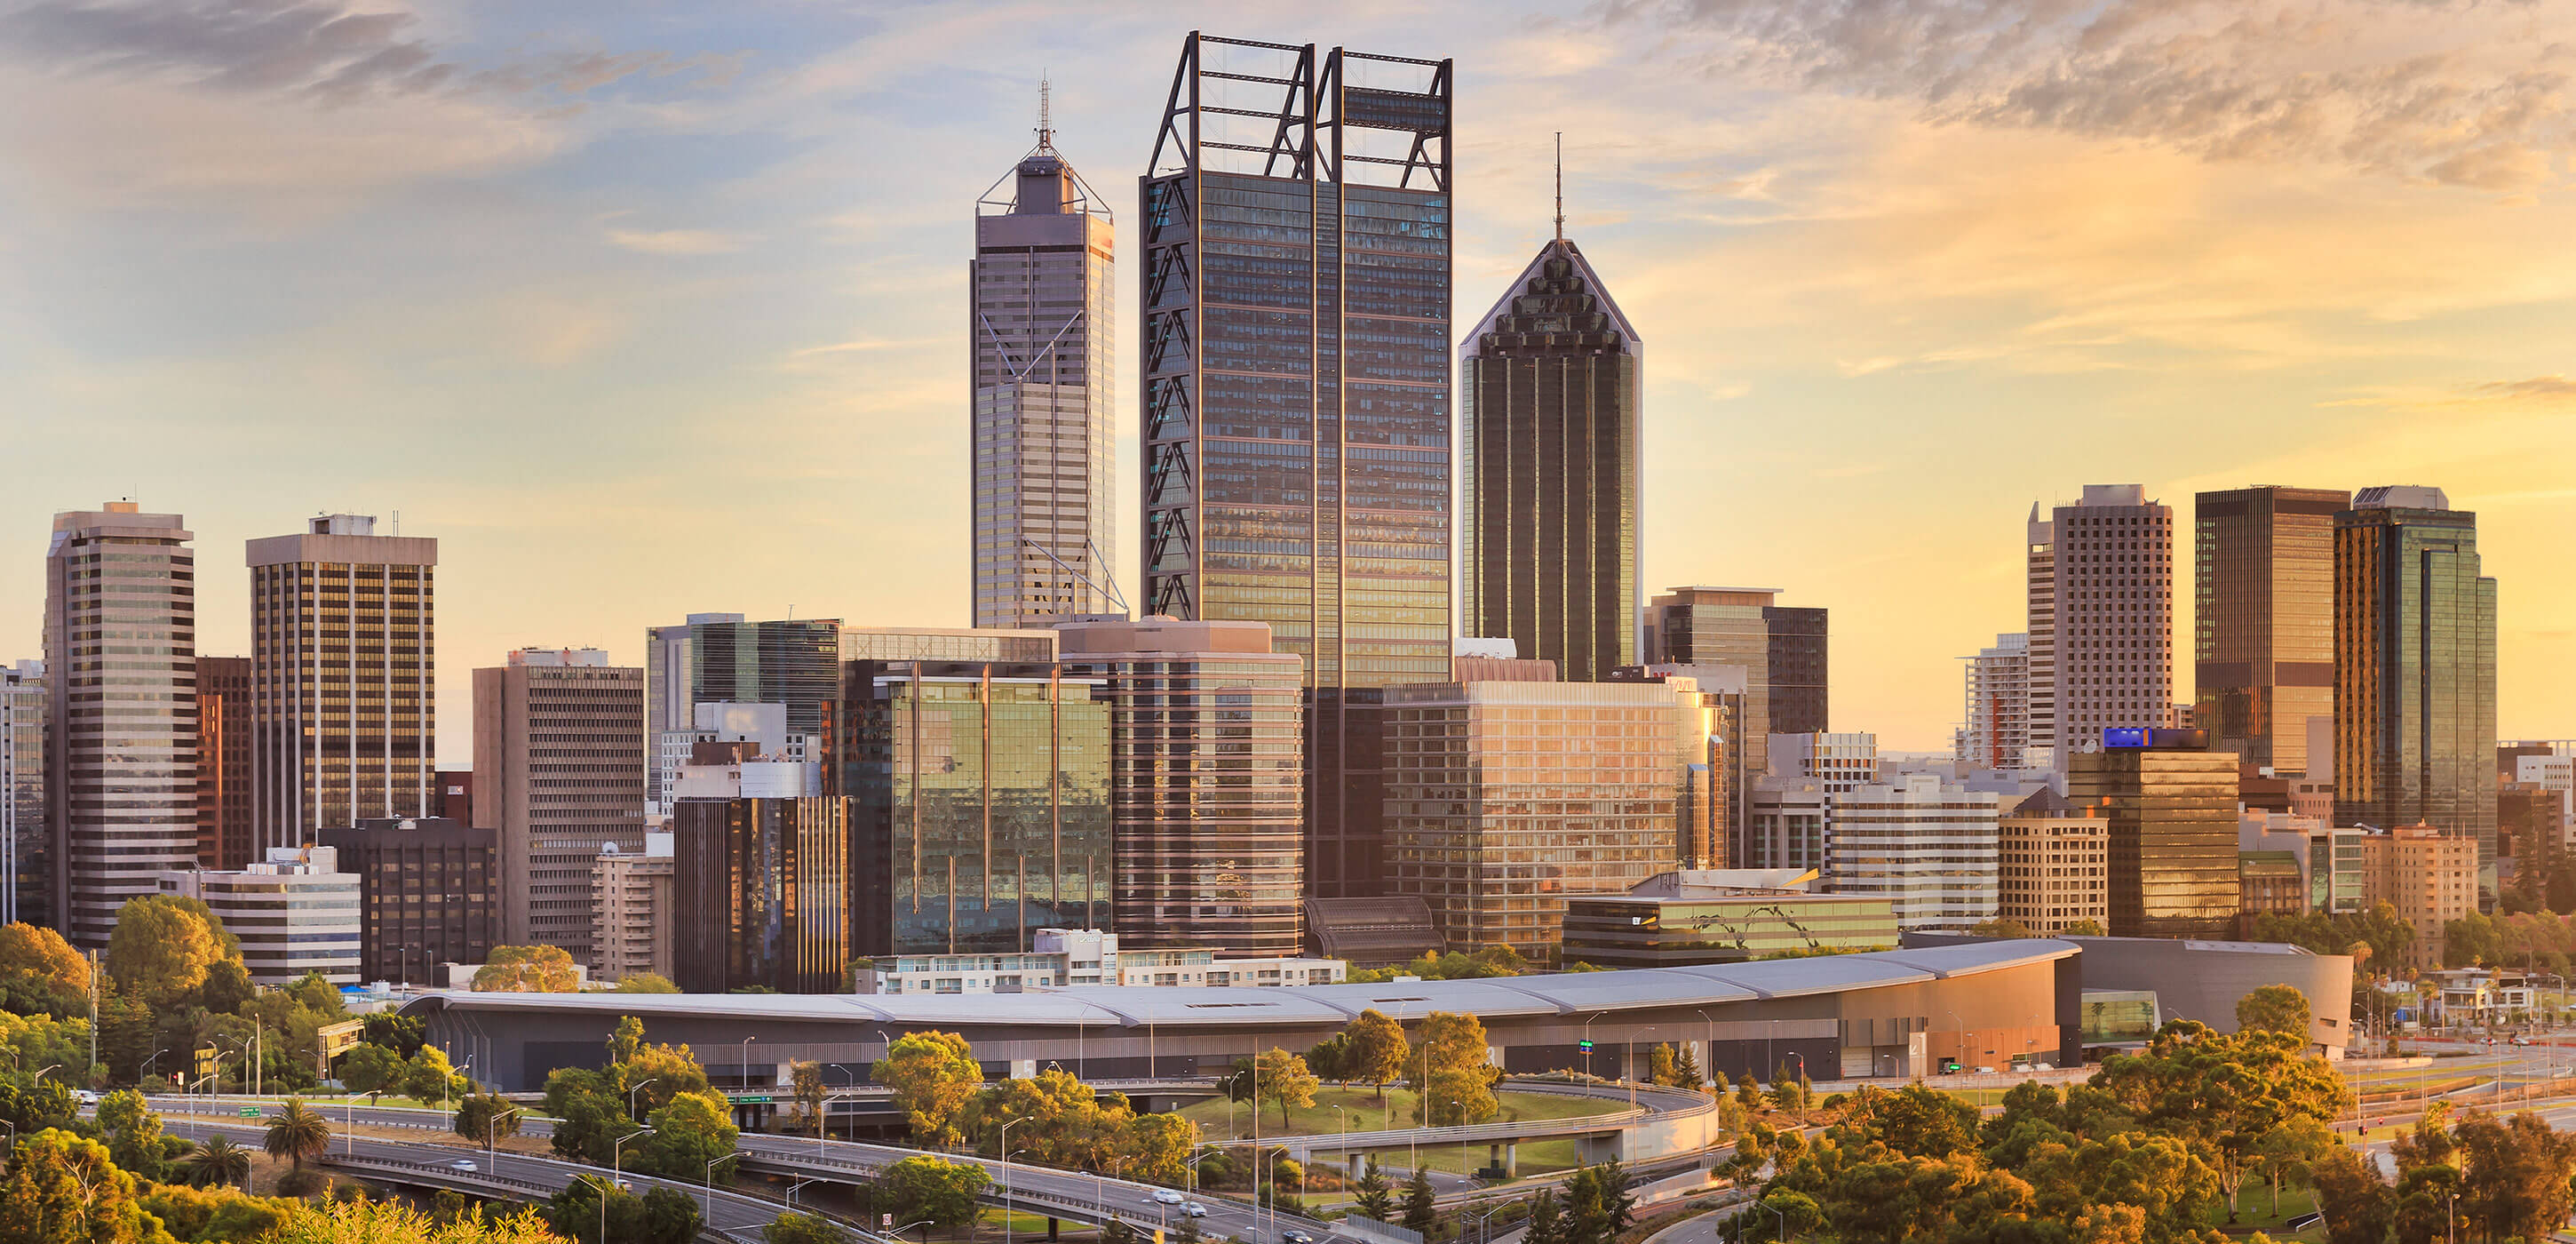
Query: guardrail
(1092, 1209)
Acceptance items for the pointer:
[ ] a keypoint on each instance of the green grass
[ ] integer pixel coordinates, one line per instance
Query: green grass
(1361, 1112)
(2254, 1209)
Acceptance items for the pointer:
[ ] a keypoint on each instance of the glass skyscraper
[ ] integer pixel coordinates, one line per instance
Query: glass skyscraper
(1296, 217)
(2415, 669)
(2171, 804)
(2263, 638)
(1551, 441)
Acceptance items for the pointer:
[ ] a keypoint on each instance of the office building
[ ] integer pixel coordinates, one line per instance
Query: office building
(1838, 762)
(2054, 859)
(1206, 781)
(456, 795)
(2428, 874)
(1296, 368)
(2171, 803)
(2415, 669)
(1551, 445)
(1701, 627)
(121, 685)
(1799, 704)
(1079, 958)
(1695, 916)
(762, 726)
(1786, 824)
(26, 867)
(1924, 845)
(2268, 883)
(224, 824)
(1040, 315)
(767, 884)
(2039, 631)
(720, 658)
(294, 911)
(984, 810)
(559, 770)
(343, 669)
(2111, 609)
(1996, 732)
(631, 909)
(2263, 634)
(429, 893)
(1507, 791)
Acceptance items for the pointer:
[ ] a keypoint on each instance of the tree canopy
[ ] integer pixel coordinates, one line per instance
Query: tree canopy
(527, 969)
(163, 945)
(933, 1075)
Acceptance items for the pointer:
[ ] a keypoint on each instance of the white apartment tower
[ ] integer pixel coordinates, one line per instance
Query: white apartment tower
(1928, 847)
(2039, 637)
(343, 673)
(1039, 315)
(2111, 642)
(121, 669)
(1996, 733)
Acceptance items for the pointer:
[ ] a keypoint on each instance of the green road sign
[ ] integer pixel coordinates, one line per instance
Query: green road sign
(754, 1101)
(250, 1112)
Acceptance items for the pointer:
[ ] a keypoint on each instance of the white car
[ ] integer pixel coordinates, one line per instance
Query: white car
(1192, 1209)
(1165, 1196)
(463, 1166)
(85, 1097)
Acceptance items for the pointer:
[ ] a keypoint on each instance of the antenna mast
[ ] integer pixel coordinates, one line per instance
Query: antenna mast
(1046, 109)
(1560, 185)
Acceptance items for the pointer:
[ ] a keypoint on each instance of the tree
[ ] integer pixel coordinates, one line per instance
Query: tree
(133, 1134)
(1662, 1068)
(1285, 1080)
(2289, 1154)
(209, 1215)
(527, 969)
(692, 1131)
(1454, 1053)
(1546, 1226)
(2223, 1092)
(371, 1069)
(589, 1117)
(795, 1228)
(296, 1133)
(660, 1216)
(2086, 928)
(40, 973)
(403, 1034)
(1689, 1073)
(217, 1161)
(392, 1222)
(1918, 1121)
(647, 982)
(1377, 1052)
(806, 1079)
(163, 944)
(1376, 1198)
(63, 1187)
(487, 1117)
(318, 994)
(2279, 1008)
(933, 1075)
(228, 988)
(2515, 1182)
(2000, 927)
(428, 1077)
(673, 1070)
(941, 1192)
(1420, 1213)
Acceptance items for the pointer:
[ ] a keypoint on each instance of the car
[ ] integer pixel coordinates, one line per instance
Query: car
(1165, 1196)
(1295, 1236)
(1192, 1209)
(2522, 1040)
(1985, 1071)
(85, 1097)
(463, 1166)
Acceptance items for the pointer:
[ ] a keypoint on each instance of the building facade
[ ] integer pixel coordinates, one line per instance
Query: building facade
(631, 910)
(2429, 875)
(2112, 605)
(2039, 629)
(2268, 883)
(1080, 958)
(294, 912)
(2415, 669)
(1838, 762)
(559, 766)
(1206, 781)
(1800, 671)
(224, 823)
(1297, 389)
(1551, 445)
(429, 893)
(984, 807)
(1927, 847)
(1996, 731)
(767, 885)
(1722, 626)
(1787, 826)
(121, 685)
(1045, 454)
(2263, 629)
(1504, 796)
(26, 859)
(344, 670)
(2054, 857)
(2171, 804)
(719, 658)
(1688, 923)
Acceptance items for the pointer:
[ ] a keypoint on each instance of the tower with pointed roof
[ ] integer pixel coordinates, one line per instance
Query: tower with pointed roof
(1552, 440)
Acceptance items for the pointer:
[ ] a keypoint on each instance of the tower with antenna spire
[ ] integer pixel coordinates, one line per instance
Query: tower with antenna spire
(1040, 396)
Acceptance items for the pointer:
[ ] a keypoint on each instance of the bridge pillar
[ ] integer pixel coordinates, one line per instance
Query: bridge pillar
(1051, 1228)
(1511, 1161)
(1353, 1161)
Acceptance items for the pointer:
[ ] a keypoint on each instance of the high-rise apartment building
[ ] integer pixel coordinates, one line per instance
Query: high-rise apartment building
(1551, 445)
(2112, 640)
(1926, 846)
(1296, 283)
(293, 910)
(1799, 669)
(2171, 803)
(26, 868)
(343, 678)
(984, 811)
(224, 826)
(631, 909)
(428, 894)
(559, 769)
(2429, 874)
(2039, 632)
(1996, 731)
(1039, 313)
(121, 671)
(2415, 668)
(2263, 608)
(2055, 862)
(1206, 781)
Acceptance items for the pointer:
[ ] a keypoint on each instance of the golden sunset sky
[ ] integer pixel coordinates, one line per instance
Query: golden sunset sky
(651, 309)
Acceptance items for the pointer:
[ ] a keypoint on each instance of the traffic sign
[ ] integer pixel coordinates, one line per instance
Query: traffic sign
(250, 1112)
(1584, 1045)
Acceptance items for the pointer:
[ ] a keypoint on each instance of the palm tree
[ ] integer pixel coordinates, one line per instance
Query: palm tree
(217, 1160)
(296, 1133)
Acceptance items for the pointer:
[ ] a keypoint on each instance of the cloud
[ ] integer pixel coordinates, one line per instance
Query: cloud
(2480, 95)
(676, 241)
(2538, 388)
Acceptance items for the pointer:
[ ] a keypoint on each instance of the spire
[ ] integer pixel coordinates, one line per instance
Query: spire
(1046, 109)
(1560, 185)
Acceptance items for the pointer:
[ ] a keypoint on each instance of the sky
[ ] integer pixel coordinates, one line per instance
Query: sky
(645, 309)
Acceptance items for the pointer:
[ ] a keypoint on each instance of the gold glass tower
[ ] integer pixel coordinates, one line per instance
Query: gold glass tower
(2263, 641)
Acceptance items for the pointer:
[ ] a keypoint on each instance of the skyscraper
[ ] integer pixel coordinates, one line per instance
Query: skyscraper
(2171, 804)
(1996, 733)
(1040, 316)
(26, 868)
(343, 673)
(121, 670)
(2112, 640)
(1296, 284)
(1799, 683)
(1703, 628)
(2040, 636)
(559, 770)
(2415, 668)
(2263, 636)
(1551, 438)
(224, 833)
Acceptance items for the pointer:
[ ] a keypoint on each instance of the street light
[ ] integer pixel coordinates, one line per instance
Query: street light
(615, 1178)
(143, 1078)
(711, 1180)
(746, 1060)
(1465, 1163)
(1004, 1144)
(630, 1097)
(1708, 1056)
(791, 1189)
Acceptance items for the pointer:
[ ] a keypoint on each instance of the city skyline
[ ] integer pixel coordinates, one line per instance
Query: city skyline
(1898, 364)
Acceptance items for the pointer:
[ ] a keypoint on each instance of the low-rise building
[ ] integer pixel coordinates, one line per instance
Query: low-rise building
(428, 893)
(1695, 916)
(2053, 860)
(1069, 958)
(2429, 876)
(294, 912)
(2269, 883)
(1925, 845)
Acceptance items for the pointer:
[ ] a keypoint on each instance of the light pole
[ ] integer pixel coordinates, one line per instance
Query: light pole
(1342, 1124)
(1465, 1163)
(1961, 1026)
(1708, 1055)
(630, 1097)
(1004, 1144)
(1587, 1044)
(1630, 1063)
(142, 1078)
(616, 1177)
(746, 1060)
(492, 1135)
(791, 1189)
(712, 1163)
